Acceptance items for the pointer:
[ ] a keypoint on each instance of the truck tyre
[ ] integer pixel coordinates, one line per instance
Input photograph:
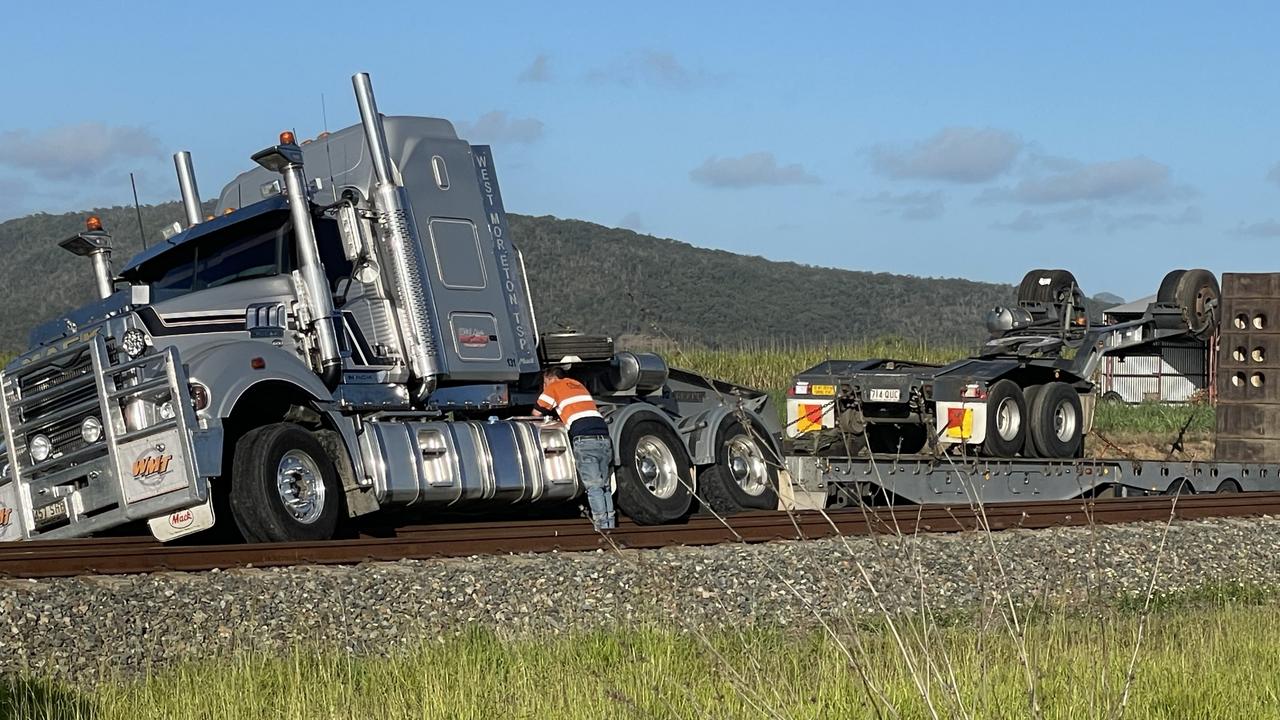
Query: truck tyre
(744, 476)
(1057, 421)
(1199, 298)
(1029, 288)
(1050, 286)
(283, 486)
(1006, 420)
(1168, 292)
(654, 474)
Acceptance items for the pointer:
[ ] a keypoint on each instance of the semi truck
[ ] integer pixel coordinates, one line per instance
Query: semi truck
(351, 330)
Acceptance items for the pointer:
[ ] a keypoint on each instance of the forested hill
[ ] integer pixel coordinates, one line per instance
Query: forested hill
(586, 277)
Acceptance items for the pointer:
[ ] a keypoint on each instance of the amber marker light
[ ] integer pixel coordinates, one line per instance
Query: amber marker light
(93, 224)
(258, 363)
(286, 138)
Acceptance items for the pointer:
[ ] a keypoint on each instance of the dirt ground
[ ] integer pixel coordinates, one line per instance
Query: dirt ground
(1143, 446)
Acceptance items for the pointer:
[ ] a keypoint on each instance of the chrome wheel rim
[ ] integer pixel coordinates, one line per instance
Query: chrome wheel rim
(1064, 422)
(747, 465)
(656, 466)
(301, 486)
(1008, 419)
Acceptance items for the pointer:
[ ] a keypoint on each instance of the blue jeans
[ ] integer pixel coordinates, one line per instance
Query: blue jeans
(594, 453)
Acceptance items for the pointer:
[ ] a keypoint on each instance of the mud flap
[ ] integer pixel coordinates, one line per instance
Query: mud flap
(181, 523)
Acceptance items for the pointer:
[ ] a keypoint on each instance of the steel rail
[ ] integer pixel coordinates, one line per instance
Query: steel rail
(86, 556)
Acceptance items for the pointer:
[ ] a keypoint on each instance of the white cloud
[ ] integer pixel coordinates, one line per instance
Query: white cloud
(911, 205)
(1090, 217)
(750, 170)
(1136, 179)
(954, 154)
(1264, 229)
(75, 151)
(651, 67)
(499, 127)
(538, 71)
(632, 221)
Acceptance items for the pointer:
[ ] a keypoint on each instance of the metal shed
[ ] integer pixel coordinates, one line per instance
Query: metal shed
(1163, 372)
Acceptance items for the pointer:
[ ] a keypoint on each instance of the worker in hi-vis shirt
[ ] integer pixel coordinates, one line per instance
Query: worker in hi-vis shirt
(570, 401)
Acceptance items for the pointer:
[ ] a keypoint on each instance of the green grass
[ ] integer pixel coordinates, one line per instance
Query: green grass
(1213, 657)
(1154, 418)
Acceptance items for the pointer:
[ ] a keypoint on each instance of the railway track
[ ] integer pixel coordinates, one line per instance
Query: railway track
(61, 558)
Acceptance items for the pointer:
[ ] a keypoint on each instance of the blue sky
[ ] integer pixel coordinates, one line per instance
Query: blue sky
(943, 139)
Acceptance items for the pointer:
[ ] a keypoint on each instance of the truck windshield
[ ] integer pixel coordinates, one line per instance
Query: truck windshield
(220, 259)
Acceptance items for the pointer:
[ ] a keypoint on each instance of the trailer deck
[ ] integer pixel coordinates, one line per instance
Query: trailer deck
(932, 480)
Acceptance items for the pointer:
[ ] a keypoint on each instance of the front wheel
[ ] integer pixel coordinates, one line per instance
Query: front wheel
(284, 487)
(653, 474)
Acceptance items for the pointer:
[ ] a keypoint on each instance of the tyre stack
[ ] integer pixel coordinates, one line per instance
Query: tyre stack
(1248, 384)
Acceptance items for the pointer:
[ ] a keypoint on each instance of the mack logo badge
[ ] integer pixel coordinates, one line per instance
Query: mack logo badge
(149, 466)
(6, 516)
(182, 519)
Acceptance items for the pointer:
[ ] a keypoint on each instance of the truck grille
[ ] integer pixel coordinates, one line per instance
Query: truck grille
(52, 399)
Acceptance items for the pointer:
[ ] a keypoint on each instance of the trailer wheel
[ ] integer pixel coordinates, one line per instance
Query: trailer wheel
(1057, 421)
(284, 487)
(654, 475)
(1228, 486)
(1006, 420)
(1197, 295)
(743, 476)
(1181, 486)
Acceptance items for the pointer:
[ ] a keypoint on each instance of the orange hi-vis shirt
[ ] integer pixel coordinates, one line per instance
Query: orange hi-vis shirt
(572, 403)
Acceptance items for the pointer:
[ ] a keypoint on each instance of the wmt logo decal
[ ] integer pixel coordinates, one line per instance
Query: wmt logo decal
(6, 516)
(151, 467)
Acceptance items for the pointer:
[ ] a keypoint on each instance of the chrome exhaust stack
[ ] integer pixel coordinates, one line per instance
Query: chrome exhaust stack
(402, 250)
(286, 159)
(187, 185)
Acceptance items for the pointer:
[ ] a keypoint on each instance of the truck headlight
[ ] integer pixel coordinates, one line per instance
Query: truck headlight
(91, 429)
(40, 447)
(133, 342)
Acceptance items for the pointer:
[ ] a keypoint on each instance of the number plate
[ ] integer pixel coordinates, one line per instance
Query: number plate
(51, 512)
(884, 395)
(822, 389)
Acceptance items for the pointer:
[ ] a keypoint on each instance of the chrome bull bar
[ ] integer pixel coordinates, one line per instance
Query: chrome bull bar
(152, 458)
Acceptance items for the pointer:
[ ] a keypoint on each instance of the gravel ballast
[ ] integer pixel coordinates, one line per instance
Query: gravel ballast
(81, 628)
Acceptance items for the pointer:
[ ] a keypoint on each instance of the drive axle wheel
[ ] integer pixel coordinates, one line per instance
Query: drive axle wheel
(742, 478)
(1006, 420)
(653, 474)
(1057, 421)
(283, 486)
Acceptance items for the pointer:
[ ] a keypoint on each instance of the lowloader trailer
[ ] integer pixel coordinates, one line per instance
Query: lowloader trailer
(1009, 424)
(350, 331)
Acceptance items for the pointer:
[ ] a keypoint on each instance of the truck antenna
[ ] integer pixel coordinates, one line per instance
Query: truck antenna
(324, 113)
(142, 233)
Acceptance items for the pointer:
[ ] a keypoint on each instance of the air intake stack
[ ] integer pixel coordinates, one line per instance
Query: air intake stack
(401, 249)
(187, 185)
